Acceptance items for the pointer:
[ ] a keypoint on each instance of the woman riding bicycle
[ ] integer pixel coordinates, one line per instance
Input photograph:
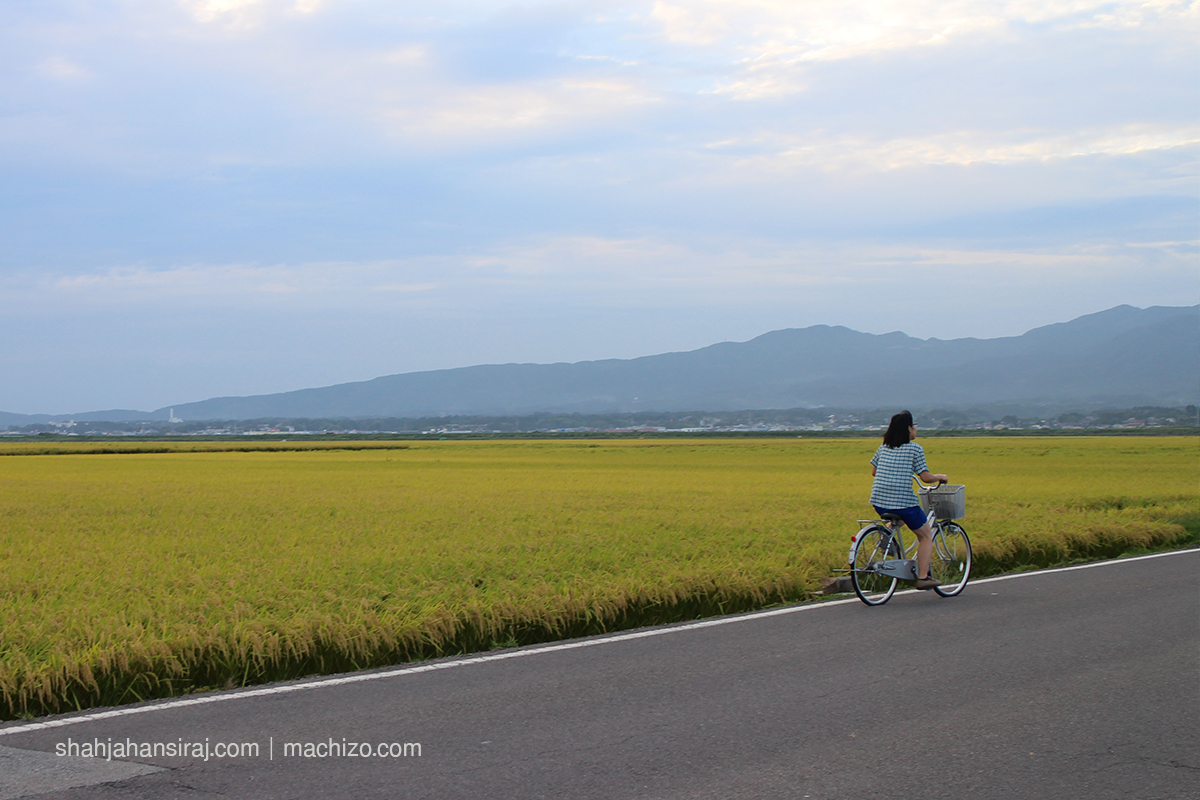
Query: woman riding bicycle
(896, 461)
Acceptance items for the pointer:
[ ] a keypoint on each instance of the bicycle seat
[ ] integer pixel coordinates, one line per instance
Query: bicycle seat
(891, 518)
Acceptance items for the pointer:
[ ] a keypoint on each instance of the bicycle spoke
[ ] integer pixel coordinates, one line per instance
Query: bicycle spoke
(874, 545)
(951, 563)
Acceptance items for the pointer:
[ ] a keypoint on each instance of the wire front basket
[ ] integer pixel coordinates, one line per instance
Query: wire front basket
(948, 501)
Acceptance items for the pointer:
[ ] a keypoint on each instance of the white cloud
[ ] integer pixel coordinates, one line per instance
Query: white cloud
(331, 284)
(63, 68)
(688, 26)
(236, 284)
(247, 13)
(141, 283)
(470, 114)
(605, 267)
(407, 287)
(704, 268)
(770, 42)
(346, 78)
(962, 148)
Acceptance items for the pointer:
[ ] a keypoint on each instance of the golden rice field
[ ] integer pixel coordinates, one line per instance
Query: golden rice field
(141, 574)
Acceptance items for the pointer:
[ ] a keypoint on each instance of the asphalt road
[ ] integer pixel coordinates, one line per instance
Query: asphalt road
(1068, 684)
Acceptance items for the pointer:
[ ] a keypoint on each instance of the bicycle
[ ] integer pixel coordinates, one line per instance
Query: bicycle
(879, 558)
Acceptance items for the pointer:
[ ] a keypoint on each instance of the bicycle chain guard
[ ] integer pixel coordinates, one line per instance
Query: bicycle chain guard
(904, 569)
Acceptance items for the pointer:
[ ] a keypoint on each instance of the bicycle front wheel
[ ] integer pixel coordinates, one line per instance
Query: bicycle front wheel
(877, 544)
(951, 562)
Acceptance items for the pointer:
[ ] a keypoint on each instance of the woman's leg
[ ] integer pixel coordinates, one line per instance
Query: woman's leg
(924, 549)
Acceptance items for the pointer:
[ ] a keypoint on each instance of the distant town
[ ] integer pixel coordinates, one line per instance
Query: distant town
(783, 422)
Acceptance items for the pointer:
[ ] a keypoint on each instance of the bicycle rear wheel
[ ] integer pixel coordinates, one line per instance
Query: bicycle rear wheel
(877, 544)
(951, 562)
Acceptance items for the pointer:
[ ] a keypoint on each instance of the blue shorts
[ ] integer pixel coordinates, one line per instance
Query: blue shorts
(913, 516)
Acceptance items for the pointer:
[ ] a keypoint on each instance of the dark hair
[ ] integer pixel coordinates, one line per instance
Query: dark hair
(897, 432)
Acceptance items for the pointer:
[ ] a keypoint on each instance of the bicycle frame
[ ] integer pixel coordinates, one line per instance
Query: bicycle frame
(904, 569)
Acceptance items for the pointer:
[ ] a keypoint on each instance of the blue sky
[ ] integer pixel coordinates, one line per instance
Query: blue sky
(231, 197)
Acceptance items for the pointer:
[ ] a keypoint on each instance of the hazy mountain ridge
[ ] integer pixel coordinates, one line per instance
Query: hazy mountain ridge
(1122, 356)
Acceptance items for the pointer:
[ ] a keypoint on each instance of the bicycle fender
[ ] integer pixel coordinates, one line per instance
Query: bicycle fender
(854, 542)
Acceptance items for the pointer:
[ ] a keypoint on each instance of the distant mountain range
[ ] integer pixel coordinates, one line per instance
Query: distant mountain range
(1122, 357)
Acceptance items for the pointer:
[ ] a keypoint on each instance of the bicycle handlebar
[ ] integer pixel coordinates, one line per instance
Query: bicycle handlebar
(924, 485)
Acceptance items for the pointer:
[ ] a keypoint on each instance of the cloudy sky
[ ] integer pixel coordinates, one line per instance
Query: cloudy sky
(231, 197)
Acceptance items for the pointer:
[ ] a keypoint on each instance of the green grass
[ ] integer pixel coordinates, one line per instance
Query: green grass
(156, 573)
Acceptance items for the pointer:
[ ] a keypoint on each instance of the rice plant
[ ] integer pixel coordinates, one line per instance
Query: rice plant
(127, 576)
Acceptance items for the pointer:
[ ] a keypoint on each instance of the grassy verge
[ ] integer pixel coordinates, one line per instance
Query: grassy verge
(161, 573)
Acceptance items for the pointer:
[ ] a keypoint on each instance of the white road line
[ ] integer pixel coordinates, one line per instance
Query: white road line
(1147, 557)
(516, 653)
